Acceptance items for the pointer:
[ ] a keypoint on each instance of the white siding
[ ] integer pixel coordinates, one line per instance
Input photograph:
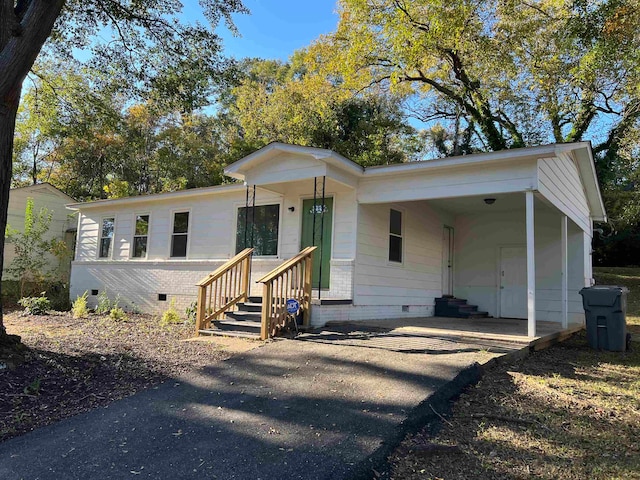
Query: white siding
(211, 241)
(559, 181)
(415, 282)
(478, 239)
(445, 183)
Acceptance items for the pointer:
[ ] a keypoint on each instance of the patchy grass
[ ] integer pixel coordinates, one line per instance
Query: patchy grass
(75, 365)
(630, 278)
(564, 413)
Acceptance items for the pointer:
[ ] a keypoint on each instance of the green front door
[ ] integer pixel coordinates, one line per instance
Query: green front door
(307, 237)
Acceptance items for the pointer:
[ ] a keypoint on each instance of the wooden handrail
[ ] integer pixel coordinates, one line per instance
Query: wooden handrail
(222, 289)
(291, 280)
(286, 265)
(226, 266)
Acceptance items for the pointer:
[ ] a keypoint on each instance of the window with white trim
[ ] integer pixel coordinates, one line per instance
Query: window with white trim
(107, 229)
(141, 236)
(180, 234)
(395, 236)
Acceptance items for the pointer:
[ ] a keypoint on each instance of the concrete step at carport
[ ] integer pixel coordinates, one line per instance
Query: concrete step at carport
(448, 306)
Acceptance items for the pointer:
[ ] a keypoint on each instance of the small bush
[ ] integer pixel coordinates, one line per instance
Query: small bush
(58, 294)
(79, 308)
(170, 315)
(35, 305)
(104, 304)
(117, 313)
(191, 311)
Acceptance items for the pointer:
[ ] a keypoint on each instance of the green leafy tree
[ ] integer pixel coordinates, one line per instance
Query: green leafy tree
(33, 250)
(291, 103)
(510, 74)
(523, 73)
(149, 45)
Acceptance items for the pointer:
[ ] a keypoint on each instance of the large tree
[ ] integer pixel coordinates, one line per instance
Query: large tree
(149, 44)
(522, 72)
(510, 73)
(292, 102)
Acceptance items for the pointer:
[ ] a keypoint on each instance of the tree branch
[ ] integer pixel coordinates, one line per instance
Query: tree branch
(585, 116)
(611, 144)
(424, 27)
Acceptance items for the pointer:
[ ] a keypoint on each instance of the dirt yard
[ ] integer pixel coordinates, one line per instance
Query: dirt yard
(565, 413)
(76, 365)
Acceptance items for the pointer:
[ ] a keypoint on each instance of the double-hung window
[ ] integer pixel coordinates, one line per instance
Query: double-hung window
(180, 234)
(106, 237)
(395, 236)
(257, 227)
(141, 236)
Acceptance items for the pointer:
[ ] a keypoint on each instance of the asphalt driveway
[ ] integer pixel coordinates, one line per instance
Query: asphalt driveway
(315, 408)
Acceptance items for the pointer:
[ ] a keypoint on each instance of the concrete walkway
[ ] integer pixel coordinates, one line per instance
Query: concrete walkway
(309, 408)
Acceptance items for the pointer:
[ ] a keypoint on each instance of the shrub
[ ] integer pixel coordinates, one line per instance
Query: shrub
(170, 315)
(58, 294)
(191, 311)
(35, 305)
(104, 304)
(117, 313)
(79, 308)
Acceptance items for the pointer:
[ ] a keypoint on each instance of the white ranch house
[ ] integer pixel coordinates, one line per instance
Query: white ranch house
(508, 231)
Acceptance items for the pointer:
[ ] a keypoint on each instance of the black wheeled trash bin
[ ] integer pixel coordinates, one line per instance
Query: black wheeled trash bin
(605, 308)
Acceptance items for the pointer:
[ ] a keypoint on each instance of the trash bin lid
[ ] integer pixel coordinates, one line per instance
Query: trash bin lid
(602, 295)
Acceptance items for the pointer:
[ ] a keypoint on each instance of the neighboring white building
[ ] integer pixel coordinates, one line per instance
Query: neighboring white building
(63, 221)
(510, 231)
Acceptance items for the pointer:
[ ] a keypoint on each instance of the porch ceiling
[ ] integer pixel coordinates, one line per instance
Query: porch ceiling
(306, 186)
(504, 202)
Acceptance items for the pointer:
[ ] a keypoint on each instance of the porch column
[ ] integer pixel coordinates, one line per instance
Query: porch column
(564, 271)
(531, 266)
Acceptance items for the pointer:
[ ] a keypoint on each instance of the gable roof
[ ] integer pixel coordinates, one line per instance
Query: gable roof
(238, 169)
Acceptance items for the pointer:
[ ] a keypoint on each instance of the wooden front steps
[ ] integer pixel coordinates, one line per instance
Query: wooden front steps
(449, 306)
(243, 322)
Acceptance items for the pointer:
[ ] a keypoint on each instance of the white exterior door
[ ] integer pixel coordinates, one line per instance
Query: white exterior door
(513, 282)
(447, 261)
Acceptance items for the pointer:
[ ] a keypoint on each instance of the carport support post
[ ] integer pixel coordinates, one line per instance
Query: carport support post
(531, 266)
(565, 272)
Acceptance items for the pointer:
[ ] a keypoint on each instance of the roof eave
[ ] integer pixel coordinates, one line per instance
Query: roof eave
(194, 192)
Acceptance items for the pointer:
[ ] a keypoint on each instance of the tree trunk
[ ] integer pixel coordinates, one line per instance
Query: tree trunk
(24, 27)
(8, 111)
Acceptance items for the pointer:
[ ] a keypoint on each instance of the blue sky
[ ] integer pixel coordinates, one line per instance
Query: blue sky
(276, 28)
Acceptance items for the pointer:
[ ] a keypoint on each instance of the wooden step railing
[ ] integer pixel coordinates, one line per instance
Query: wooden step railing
(292, 279)
(219, 291)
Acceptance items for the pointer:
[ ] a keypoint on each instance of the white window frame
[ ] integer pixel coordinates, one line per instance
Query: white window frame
(113, 238)
(133, 236)
(401, 236)
(238, 206)
(171, 234)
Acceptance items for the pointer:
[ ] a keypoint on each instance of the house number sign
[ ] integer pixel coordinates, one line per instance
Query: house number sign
(318, 209)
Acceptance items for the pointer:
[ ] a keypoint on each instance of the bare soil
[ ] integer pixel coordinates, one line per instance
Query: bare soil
(75, 365)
